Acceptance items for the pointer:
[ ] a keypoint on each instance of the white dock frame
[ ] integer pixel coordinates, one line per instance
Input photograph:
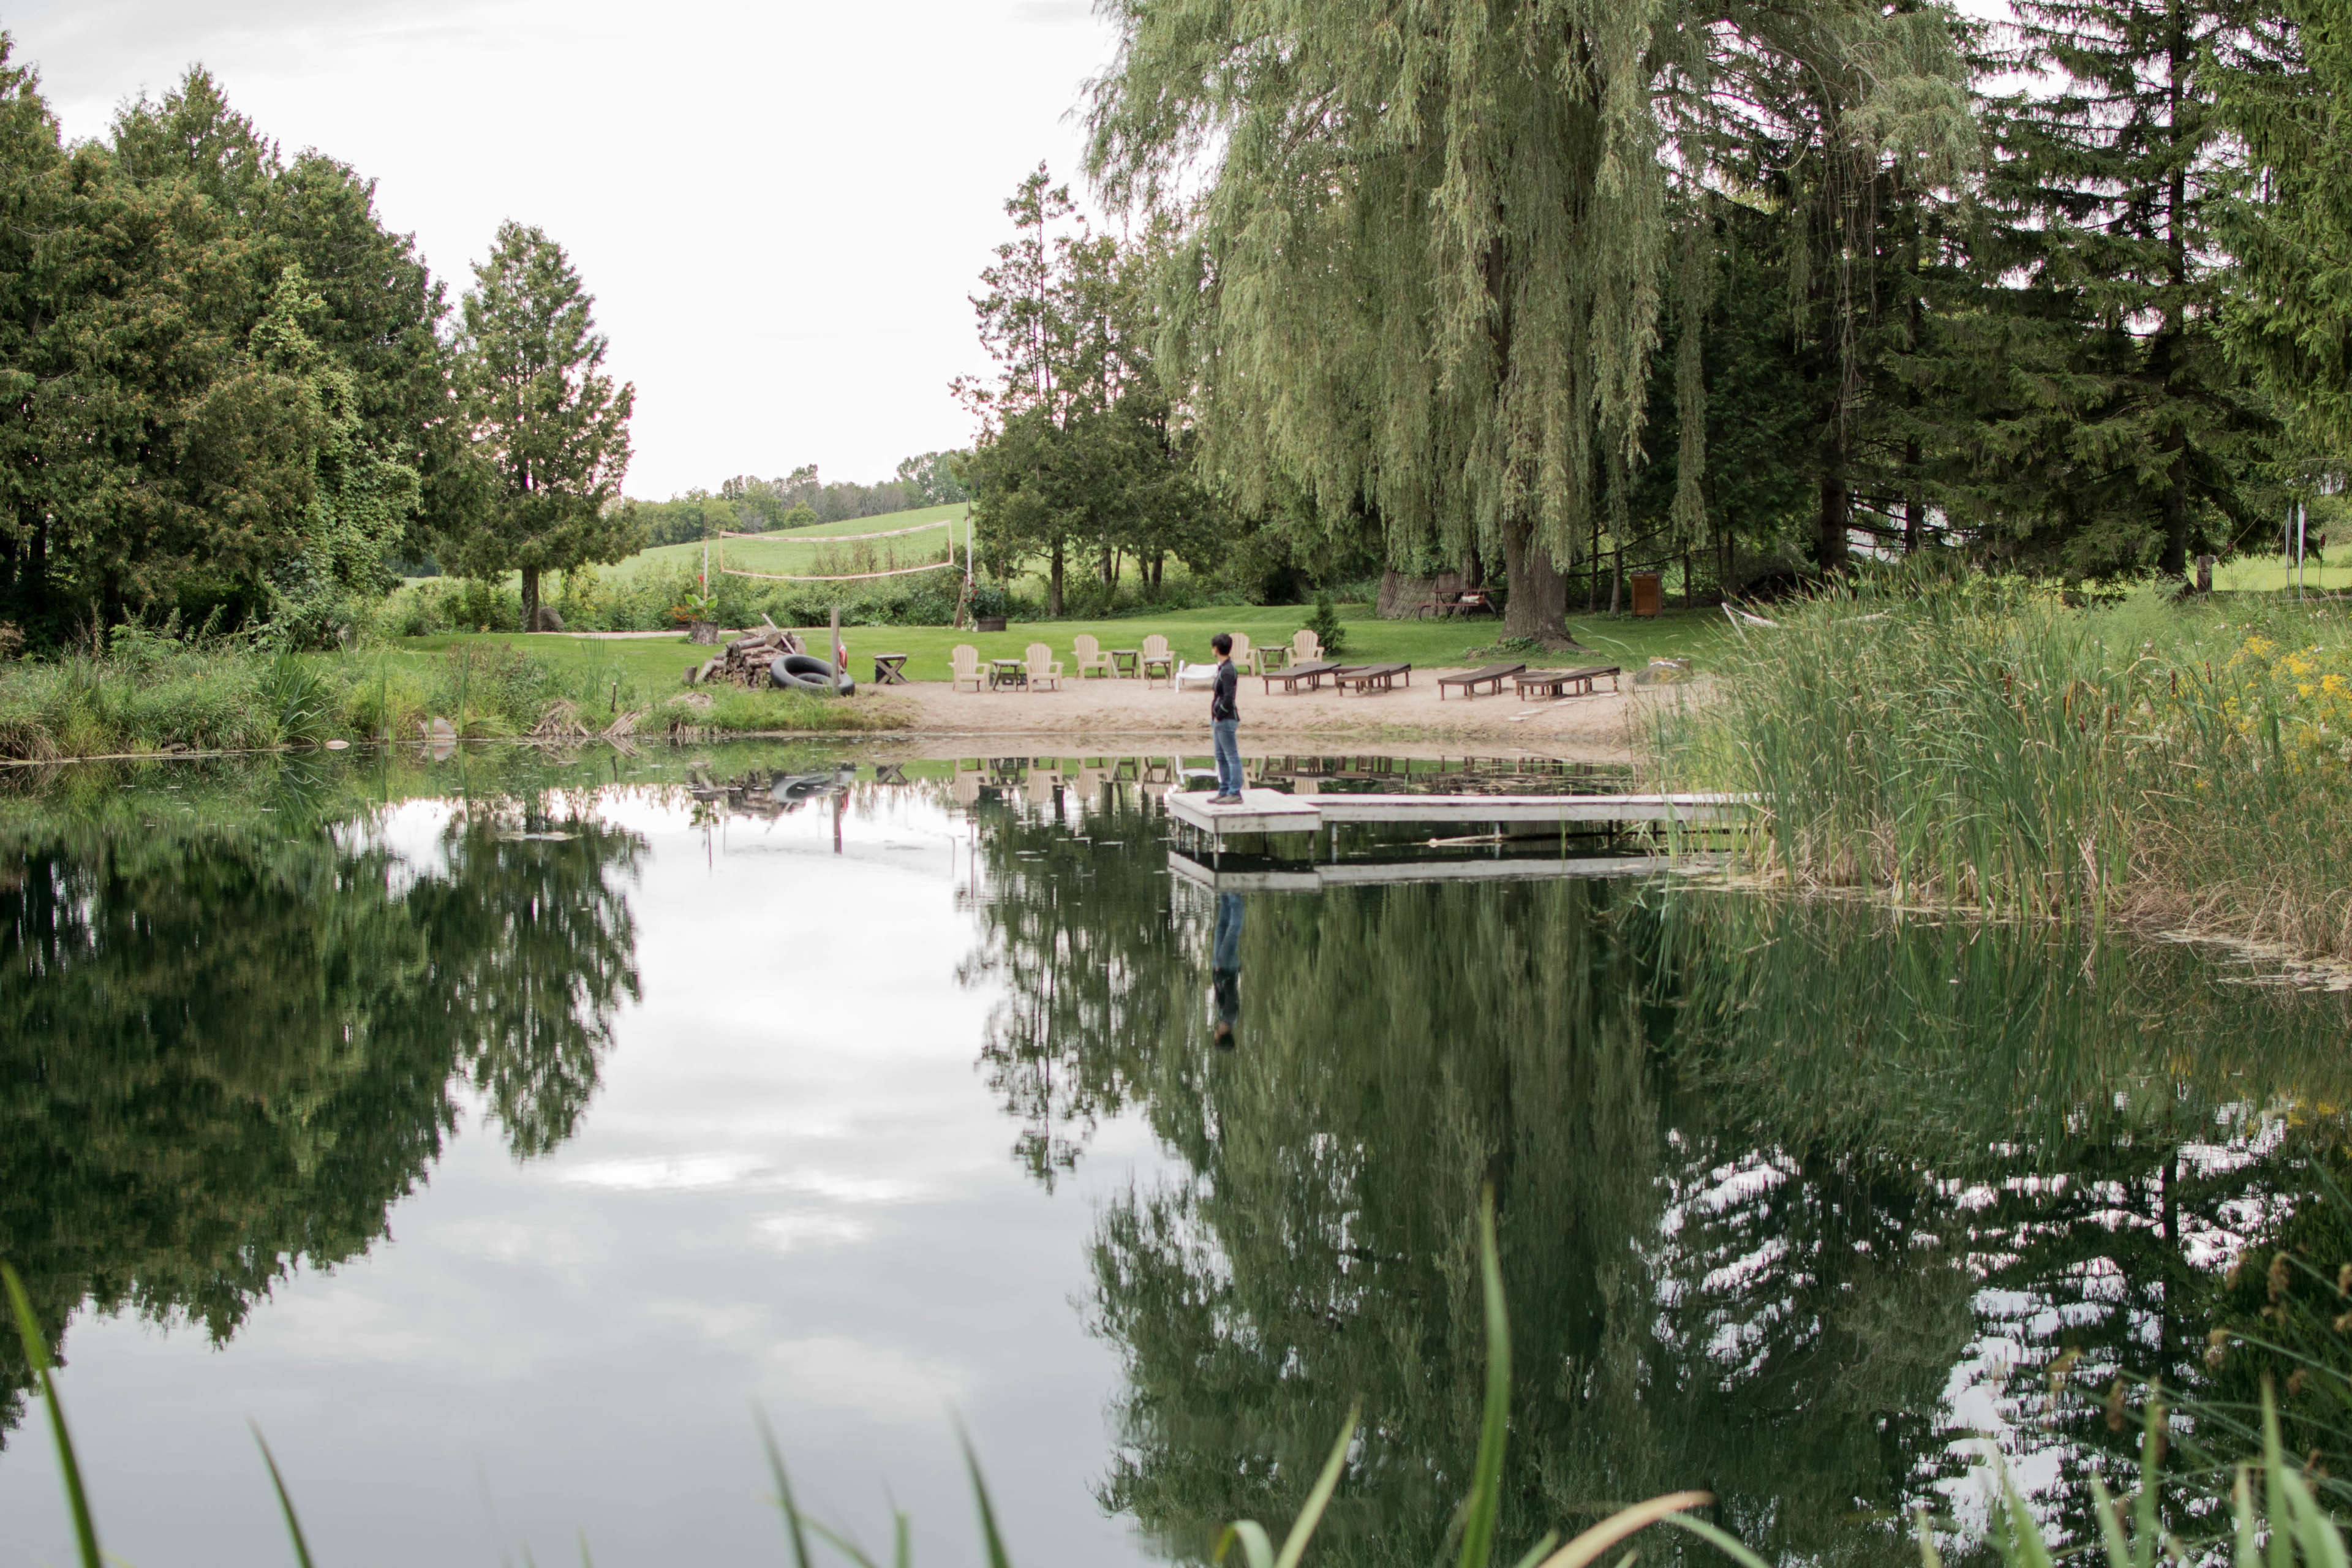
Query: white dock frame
(1271, 811)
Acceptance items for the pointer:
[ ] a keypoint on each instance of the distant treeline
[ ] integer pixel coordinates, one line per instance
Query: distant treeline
(748, 505)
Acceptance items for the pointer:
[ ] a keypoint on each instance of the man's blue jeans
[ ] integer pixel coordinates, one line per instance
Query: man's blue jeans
(1228, 735)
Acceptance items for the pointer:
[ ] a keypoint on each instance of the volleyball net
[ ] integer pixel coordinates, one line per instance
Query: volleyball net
(825, 541)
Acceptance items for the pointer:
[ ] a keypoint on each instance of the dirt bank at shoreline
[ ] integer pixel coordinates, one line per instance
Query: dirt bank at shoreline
(1606, 727)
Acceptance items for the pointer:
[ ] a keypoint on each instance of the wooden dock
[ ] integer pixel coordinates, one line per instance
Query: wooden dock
(1270, 811)
(1376, 874)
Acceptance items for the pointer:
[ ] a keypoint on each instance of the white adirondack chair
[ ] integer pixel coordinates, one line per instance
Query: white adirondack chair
(1090, 657)
(966, 661)
(1044, 667)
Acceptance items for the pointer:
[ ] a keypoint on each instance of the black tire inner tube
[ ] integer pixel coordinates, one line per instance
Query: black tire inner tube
(807, 672)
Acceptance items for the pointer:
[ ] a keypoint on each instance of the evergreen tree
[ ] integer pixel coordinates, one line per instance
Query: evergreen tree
(550, 429)
(2113, 431)
(2288, 315)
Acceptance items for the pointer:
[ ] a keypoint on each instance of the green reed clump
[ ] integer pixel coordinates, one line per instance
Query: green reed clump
(1981, 742)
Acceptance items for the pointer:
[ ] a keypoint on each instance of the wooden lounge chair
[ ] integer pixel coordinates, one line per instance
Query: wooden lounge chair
(1492, 676)
(965, 658)
(1044, 667)
(1158, 662)
(1366, 679)
(1557, 682)
(1089, 657)
(1312, 674)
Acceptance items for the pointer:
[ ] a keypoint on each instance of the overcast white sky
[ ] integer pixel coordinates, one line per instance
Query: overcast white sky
(782, 209)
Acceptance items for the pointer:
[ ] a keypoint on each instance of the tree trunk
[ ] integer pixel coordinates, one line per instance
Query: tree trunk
(1474, 569)
(1054, 584)
(1914, 505)
(1537, 606)
(2175, 561)
(1830, 545)
(531, 599)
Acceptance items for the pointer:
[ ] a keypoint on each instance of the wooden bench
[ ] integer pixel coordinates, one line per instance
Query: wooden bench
(1312, 674)
(1555, 682)
(1366, 679)
(1492, 676)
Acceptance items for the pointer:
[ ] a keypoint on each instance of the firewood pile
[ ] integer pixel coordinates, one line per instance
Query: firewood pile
(744, 661)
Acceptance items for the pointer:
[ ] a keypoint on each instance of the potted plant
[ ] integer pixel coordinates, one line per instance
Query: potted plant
(988, 609)
(700, 614)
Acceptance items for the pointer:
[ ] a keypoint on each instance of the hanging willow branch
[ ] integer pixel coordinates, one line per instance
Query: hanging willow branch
(1426, 241)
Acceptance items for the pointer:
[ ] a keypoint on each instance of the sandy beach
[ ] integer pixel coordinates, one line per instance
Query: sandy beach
(1600, 728)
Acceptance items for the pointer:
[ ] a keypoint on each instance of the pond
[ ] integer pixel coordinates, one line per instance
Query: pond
(496, 1132)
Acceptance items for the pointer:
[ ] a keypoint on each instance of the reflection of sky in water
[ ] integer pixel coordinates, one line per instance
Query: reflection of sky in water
(792, 1188)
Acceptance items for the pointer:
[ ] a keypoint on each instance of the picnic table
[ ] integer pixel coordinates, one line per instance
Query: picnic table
(1126, 663)
(1003, 672)
(1312, 674)
(1366, 679)
(889, 669)
(1492, 676)
(1555, 682)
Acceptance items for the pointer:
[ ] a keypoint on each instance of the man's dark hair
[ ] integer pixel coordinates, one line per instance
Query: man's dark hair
(1222, 642)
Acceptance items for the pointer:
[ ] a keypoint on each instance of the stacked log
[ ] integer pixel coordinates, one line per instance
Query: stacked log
(744, 660)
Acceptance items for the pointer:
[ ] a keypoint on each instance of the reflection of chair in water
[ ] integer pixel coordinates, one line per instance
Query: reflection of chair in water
(1040, 786)
(965, 784)
(1126, 770)
(1159, 664)
(1089, 657)
(965, 658)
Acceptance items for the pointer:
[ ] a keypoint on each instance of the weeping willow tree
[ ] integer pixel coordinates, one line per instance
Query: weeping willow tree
(1427, 244)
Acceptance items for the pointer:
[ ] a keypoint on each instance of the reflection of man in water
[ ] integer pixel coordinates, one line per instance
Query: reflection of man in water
(1225, 968)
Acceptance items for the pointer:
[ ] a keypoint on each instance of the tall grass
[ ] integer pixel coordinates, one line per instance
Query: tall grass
(1984, 743)
(2286, 1527)
(141, 691)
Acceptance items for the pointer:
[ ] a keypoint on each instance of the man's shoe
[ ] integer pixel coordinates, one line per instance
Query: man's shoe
(1225, 800)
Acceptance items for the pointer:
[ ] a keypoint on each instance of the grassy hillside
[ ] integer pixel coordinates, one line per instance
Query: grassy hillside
(791, 551)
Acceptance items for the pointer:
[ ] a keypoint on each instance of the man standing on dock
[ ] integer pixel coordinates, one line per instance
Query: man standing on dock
(1225, 723)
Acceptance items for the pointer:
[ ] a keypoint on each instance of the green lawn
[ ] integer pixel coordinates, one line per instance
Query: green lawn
(1619, 639)
(2256, 574)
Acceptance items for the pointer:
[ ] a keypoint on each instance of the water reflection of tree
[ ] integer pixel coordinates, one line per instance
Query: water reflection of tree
(1097, 981)
(1769, 1176)
(226, 1052)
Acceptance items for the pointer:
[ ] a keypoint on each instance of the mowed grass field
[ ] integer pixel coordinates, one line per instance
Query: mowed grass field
(795, 550)
(1619, 639)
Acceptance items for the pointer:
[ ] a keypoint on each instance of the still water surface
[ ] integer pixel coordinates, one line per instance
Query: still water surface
(496, 1132)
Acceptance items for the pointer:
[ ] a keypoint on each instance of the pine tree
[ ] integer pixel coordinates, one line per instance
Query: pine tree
(2114, 432)
(550, 429)
(2288, 316)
